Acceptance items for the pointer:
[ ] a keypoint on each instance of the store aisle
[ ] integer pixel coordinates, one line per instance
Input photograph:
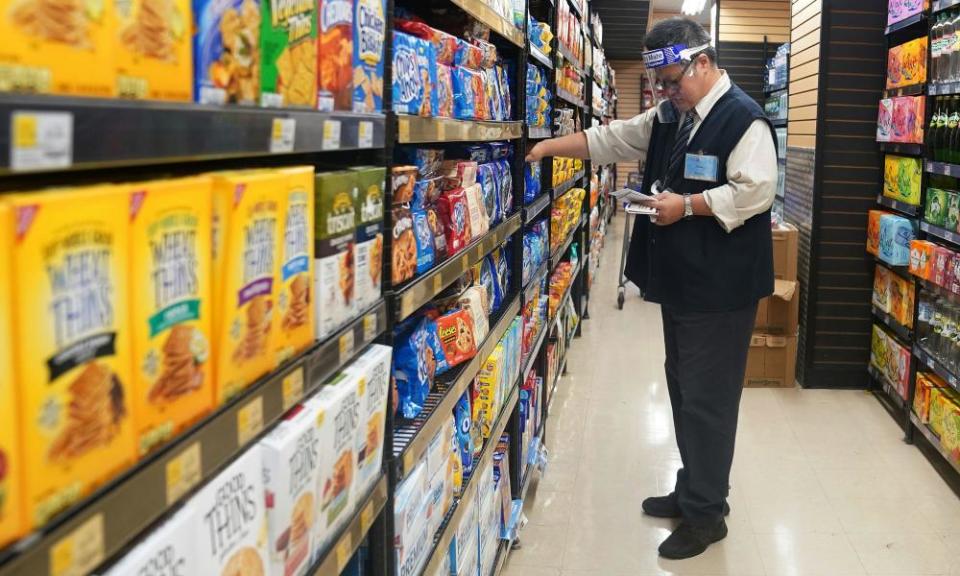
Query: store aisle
(822, 483)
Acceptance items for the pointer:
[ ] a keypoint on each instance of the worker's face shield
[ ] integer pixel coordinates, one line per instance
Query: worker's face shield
(666, 68)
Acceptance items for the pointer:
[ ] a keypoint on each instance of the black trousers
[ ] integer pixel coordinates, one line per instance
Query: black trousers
(706, 361)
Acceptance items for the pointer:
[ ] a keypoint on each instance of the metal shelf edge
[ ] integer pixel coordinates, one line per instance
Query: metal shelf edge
(902, 207)
(935, 365)
(485, 14)
(533, 210)
(940, 233)
(888, 388)
(905, 23)
(427, 129)
(891, 323)
(932, 439)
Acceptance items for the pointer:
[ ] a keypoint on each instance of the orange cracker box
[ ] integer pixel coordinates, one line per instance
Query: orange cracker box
(288, 43)
(11, 521)
(57, 46)
(335, 56)
(70, 259)
(153, 48)
(246, 235)
(369, 29)
(171, 314)
(295, 300)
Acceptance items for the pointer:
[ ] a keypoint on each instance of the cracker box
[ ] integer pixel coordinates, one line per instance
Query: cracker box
(411, 524)
(153, 49)
(339, 405)
(373, 370)
(335, 268)
(11, 519)
(369, 29)
(485, 405)
(295, 303)
(440, 496)
(463, 546)
(226, 51)
(368, 252)
(292, 460)
(901, 178)
(288, 44)
(169, 549)
(247, 212)
(232, 511)
(171, 314)
(335, 56)
(58, 47)
(71, 329)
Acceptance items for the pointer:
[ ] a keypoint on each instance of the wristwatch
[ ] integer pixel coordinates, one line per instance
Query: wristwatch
(687, 206)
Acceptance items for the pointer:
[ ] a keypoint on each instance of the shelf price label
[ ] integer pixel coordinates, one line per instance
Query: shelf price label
(41, 140)
(366, 518)
(365, 134)
(344, 550)
(292, 388)
(80, 551)
(183, 473)
(282, 135)
(346, 346)
(250, 421)
(370, 327)
(331, 135)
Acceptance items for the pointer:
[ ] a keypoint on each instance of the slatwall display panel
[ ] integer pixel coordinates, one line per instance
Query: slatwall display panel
(745, 62)
(752, 20)
(624, 24)
(629, 74)
(804, 72)
(798, 210)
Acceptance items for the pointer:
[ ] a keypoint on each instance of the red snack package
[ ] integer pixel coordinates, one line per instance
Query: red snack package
(453, 211)
(468, 55)
(444, 91)
(458, 174)
(456, 336)
(480, 103)
(488, 53)
(444, 44)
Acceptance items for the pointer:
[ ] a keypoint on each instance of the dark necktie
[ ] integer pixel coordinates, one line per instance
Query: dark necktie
(680, 146)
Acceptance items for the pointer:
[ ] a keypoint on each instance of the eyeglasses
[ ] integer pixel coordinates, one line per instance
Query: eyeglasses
(672, 86)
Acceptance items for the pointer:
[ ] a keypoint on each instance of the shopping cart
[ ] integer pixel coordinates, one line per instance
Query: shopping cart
(634, 182)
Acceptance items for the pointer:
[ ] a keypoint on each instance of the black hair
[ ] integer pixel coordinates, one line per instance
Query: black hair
(679, 30)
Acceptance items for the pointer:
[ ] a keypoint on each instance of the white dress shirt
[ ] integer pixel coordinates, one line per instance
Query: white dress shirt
(751, 168)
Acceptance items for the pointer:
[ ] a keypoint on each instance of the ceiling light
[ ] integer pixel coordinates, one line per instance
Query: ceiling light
(693, 7)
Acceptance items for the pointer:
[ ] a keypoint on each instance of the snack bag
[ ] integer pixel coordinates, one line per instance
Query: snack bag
(11, 518)
(453, 212)
(469, 55)
(152, 46)
(369, 246)
(288, 43)
(335, 273)
(408, 84)
(481, 95)
(295, 304)
(369, 28)
(226, 51)
(462, 413)
(247, 213)
(403, 181)
(427, 192)
(70, 259)
(504, 180)
(426, 160)
(404, 257)
(464, 95)
(486, 178)
(335, 55)
(458, 173)
(414, 368)
(427, 69)
(439, 234)
(424, 239)
(232, 514)
(456, 332)
(479, 220)
(171, 311)
(57, 47)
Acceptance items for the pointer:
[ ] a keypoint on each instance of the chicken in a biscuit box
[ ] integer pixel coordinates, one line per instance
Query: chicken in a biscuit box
(72, 343)
(170, 312)
(288, 44)
(292, 460)
(169, 549)
(368, 251)
(369, 31)
(335, 267)
(11, 518)
(233, 529)
(295, 301)
(226, 51)
(373, 369)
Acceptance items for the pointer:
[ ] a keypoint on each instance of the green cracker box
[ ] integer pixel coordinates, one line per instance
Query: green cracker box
(288, 45)
(936, 209)
(336, 224)
(369, 247)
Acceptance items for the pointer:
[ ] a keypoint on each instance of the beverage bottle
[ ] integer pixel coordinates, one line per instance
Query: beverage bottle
(953, 145)
(955, 48)
(935, 45)
(946, 50)
(932, 129)
(942, 115)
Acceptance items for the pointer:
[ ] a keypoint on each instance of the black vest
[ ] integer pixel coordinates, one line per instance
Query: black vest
(695, 265)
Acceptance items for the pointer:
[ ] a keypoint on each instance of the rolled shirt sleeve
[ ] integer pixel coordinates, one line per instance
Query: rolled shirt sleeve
(621, 140)
(751, 179)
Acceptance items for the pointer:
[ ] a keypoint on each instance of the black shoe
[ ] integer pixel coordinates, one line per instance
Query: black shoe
(690, 540)
(668, 507)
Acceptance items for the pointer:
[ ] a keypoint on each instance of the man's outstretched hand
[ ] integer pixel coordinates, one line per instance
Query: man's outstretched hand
(537, 152)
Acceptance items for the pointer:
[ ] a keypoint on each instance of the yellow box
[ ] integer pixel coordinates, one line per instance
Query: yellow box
(247, 246)
(11, 520)
(294, 276)
(58, 46)
(72, 343)
(170, 313)
(153, 49)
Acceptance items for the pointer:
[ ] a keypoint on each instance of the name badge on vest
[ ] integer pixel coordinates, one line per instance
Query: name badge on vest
(703, 168)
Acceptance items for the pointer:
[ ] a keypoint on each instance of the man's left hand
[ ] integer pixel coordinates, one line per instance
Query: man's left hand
(669, 206)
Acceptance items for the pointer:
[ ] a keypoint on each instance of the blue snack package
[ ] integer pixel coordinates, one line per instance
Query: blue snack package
(504, 78)
(424, 238)
(505, 179)
(427, 160)
(426, 192)
(486, 177)
(427, 67)
(464, 421)
(503, 271)
(531, 181)
(490, 282)
(500, 151)
(414, 367)
(408, 88)
(464, 98)
(479, 153)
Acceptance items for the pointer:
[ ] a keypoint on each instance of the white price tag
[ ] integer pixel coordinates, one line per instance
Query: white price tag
(331, 135)
(365, 134)
(283, 134)
(772, 79)
(41, 140)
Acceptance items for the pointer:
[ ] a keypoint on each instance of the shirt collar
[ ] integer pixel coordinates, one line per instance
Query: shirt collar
(706, 104)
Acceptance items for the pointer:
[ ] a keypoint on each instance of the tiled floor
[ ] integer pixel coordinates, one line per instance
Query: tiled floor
(822, 484)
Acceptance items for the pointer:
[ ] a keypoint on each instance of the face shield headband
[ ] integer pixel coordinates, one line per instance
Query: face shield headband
(660, 58)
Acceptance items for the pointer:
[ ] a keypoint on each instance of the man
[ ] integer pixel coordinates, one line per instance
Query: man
(706, 256)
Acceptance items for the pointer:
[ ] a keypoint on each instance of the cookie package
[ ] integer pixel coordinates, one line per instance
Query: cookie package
(424, 239)
(404, 257)
(294, 326)
(288, 45)
(226, 51)
(335, 267)
(457, 336)
(454, 214)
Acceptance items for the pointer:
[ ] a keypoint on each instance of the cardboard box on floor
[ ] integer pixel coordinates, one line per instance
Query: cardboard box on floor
(772, 362)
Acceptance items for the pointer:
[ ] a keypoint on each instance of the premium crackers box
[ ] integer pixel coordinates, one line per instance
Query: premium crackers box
(58, 46)
(288, 44)
(335, 56)
(226, 51)
(72, 338)
(368, 252)
(231, 530)
(170, 549)
(153, 49)
(246, 248)
(292, 460)
(373, 369)
(335, 268)
(369, 29)
(294, 330)
(11, 519)
(171, 314)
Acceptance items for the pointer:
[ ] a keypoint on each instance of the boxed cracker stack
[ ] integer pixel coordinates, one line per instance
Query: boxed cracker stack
(335, 263)
(773, 347)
